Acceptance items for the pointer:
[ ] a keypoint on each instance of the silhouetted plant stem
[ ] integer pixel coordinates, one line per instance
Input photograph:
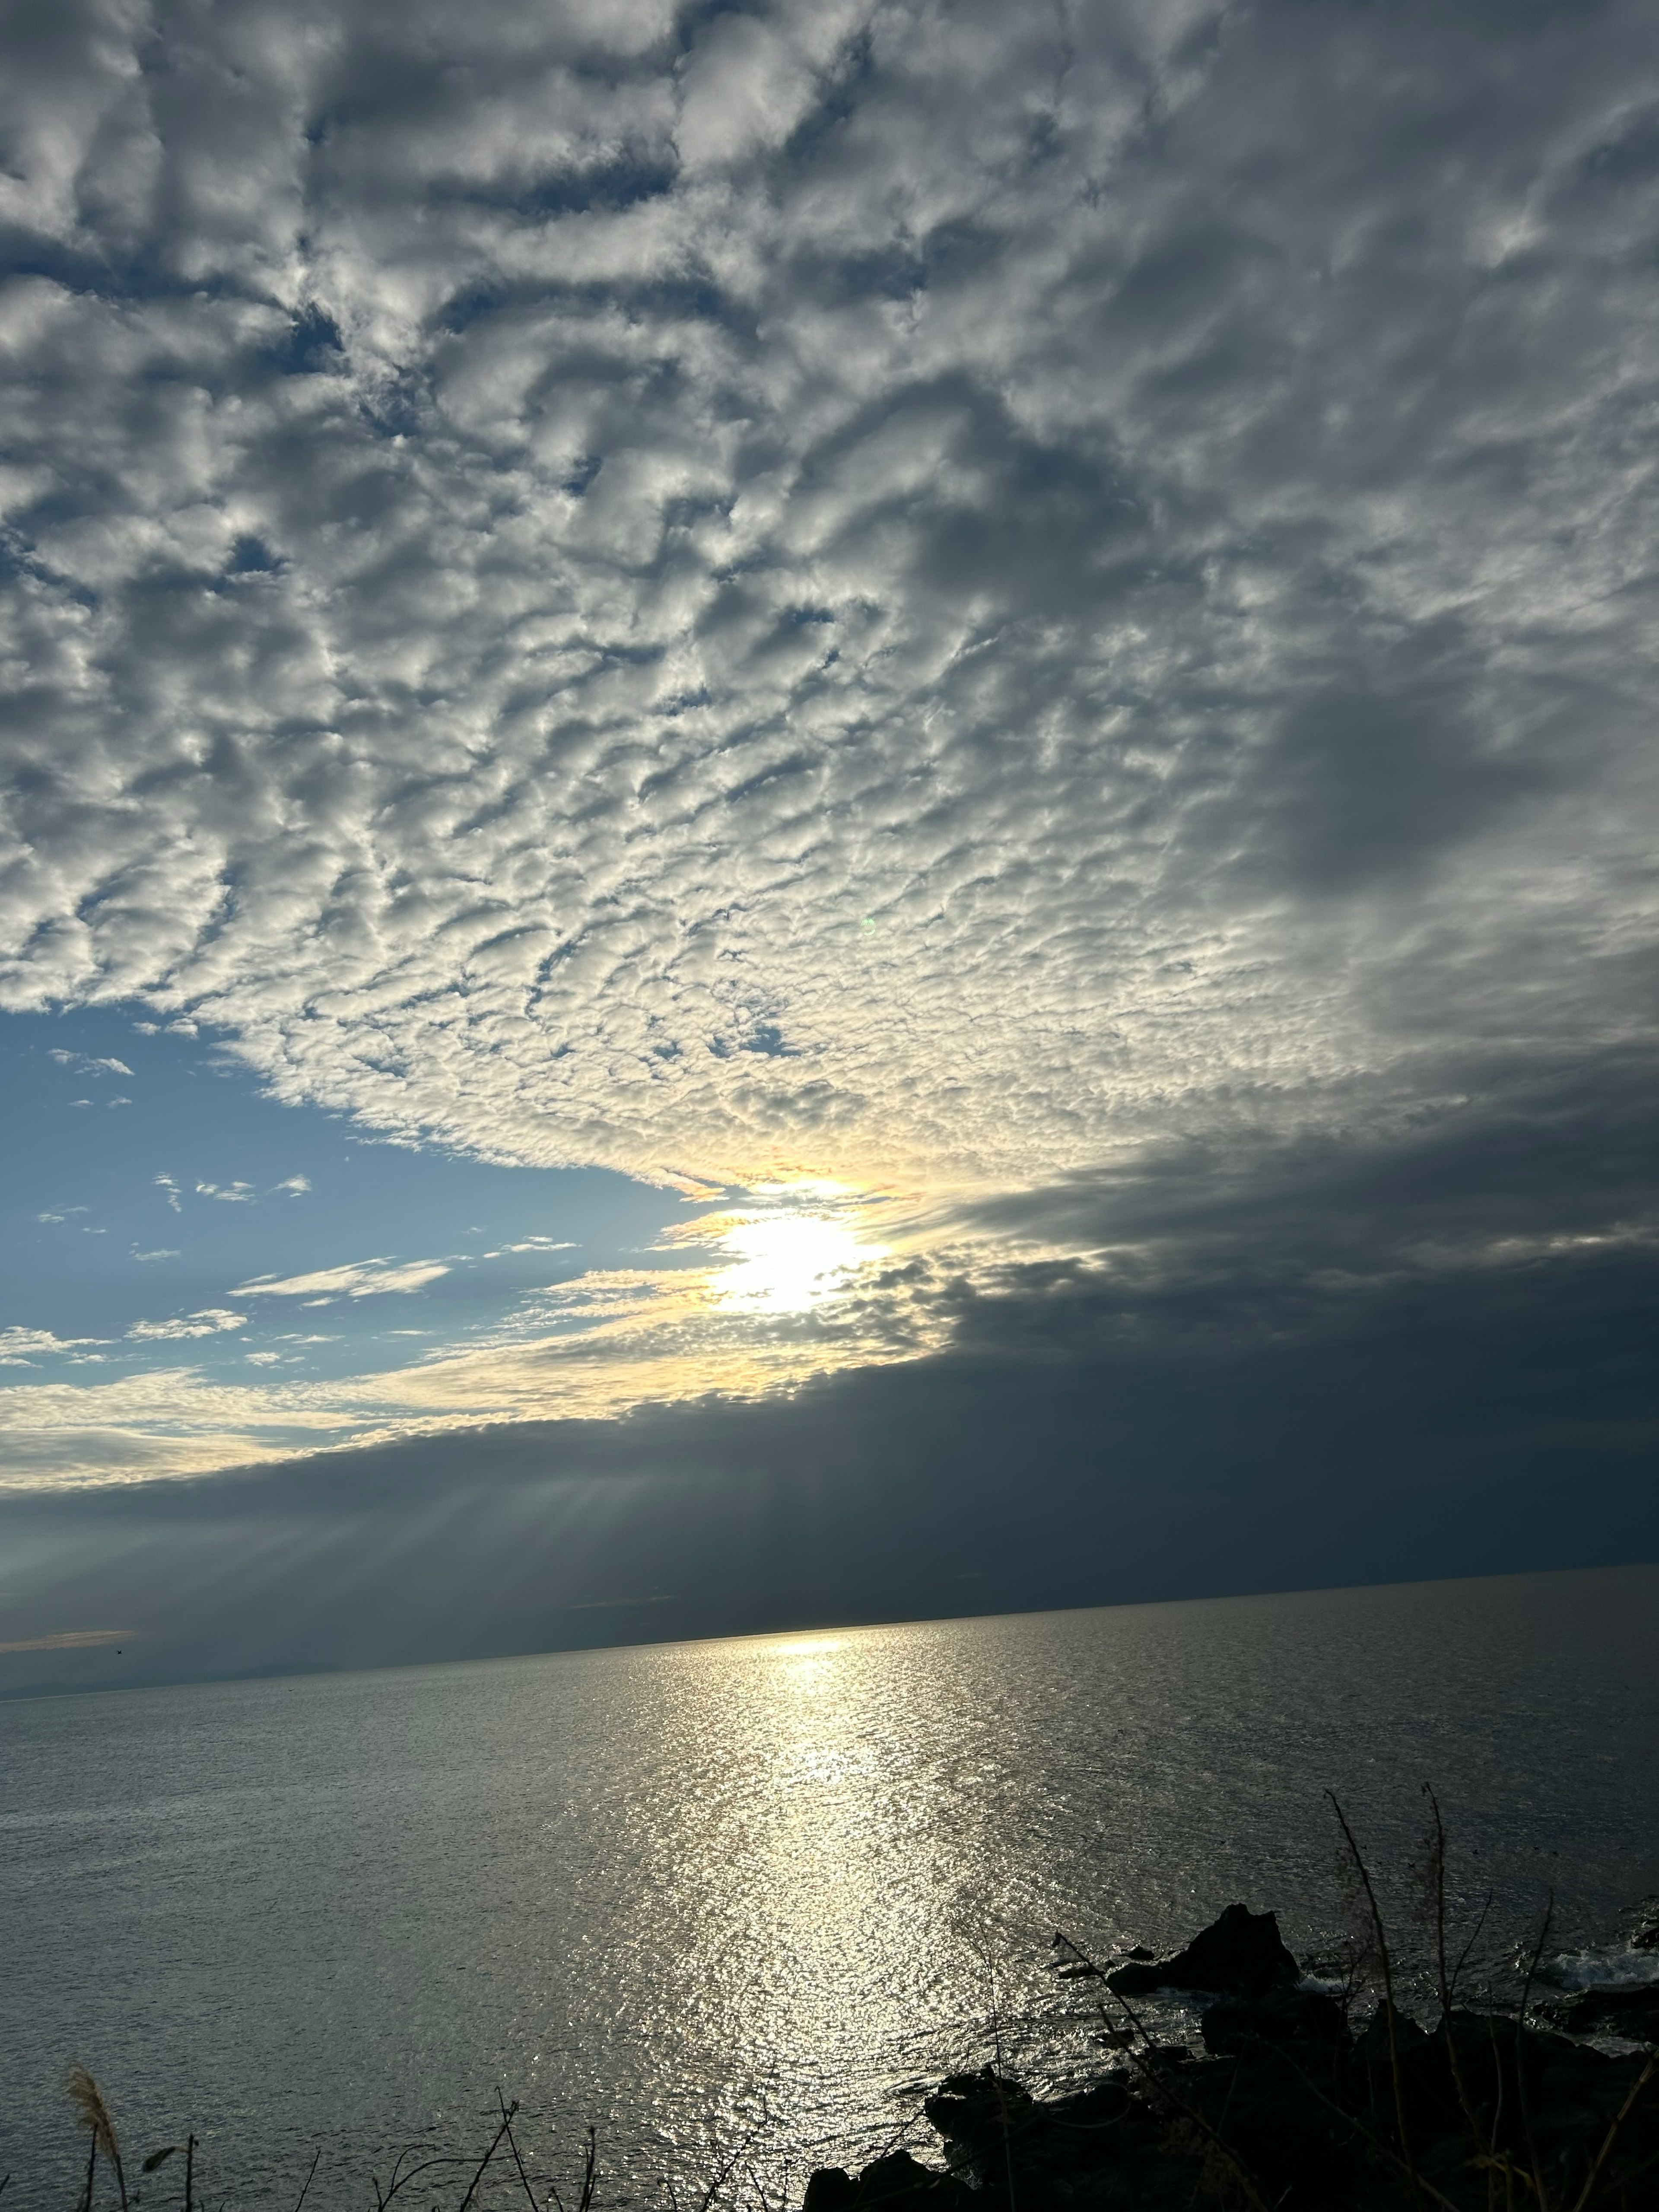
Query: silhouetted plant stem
(722, 2174)
(494, 2145)
(1536, 1954)
(306, 2192)
(513, 2145)
(1386, 1963)
(1447, 1976)
(1611, 2137)
(401, 2180)
(1377, 2142)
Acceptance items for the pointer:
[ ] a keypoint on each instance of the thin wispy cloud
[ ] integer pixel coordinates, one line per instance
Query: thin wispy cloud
(360, 1279)
(69, 1639)
(85, 1064)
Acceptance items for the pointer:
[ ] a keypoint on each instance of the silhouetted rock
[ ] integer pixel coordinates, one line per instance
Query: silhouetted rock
(1241, 1954)
(1630, 2013)
(830, 2189)
(1297, 2108)
(1283, 2018)
(897, 2183)
(975, 2109)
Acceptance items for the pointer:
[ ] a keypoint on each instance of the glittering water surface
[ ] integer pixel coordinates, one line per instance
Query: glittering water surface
(764, 1890)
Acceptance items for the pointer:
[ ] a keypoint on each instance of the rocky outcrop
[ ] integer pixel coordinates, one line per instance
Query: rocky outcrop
(1295, 2105)
(897, 2183)
(1630, 2012)
(1241, 1954)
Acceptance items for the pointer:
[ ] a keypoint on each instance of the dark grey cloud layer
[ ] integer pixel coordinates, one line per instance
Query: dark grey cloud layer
(1434, 1359)
(880, 585)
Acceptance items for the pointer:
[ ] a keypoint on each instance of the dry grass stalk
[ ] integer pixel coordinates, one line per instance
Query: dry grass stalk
(92, 2113)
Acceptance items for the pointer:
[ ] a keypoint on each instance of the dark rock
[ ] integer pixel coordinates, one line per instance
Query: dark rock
(1293, 2109)
(831, 2188)
(897, 2183)
(1408, 2033)
(1632, 2012)
(979, 2115)
(1284, 2019)
(1105, 2105)
(1241, 1954)
(978, 2110)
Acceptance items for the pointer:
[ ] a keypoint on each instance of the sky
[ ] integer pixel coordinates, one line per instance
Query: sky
(818, 813)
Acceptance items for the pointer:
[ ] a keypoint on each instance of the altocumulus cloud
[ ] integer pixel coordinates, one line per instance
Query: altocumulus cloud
(894, 589)
(1050, 611)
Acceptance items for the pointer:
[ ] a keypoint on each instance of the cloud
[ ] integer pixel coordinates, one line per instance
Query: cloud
(234, 1194)
(69, 1639)
(169, 1189)
(295, 1186)
(20, 1346)
(884, 591)
(84, 1064)
(212, 1320)
(1424, 1429)
(161, 1252)
(727, 1315)
(1535, 1210)
(361, 1279)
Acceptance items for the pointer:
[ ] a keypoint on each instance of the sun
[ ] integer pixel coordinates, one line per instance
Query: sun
(789, 1261)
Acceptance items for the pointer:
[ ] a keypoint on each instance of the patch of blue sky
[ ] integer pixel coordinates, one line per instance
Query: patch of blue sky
(146, 1184)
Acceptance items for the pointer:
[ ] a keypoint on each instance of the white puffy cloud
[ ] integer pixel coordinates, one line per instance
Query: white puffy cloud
(21, 1347)
(889, 588)
(211, 1321)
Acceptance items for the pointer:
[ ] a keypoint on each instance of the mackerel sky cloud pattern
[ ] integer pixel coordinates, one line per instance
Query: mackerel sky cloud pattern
(882, 589)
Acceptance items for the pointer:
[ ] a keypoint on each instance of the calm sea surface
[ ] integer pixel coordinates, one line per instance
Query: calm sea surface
(763, 1891)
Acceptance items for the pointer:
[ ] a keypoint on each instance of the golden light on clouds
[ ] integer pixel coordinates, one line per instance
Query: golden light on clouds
(782, 1258)
(786, 1282)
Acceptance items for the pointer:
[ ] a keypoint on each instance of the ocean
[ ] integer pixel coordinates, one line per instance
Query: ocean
(748, 1900)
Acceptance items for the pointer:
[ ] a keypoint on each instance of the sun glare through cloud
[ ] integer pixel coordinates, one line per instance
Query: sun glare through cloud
(781, 1260)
